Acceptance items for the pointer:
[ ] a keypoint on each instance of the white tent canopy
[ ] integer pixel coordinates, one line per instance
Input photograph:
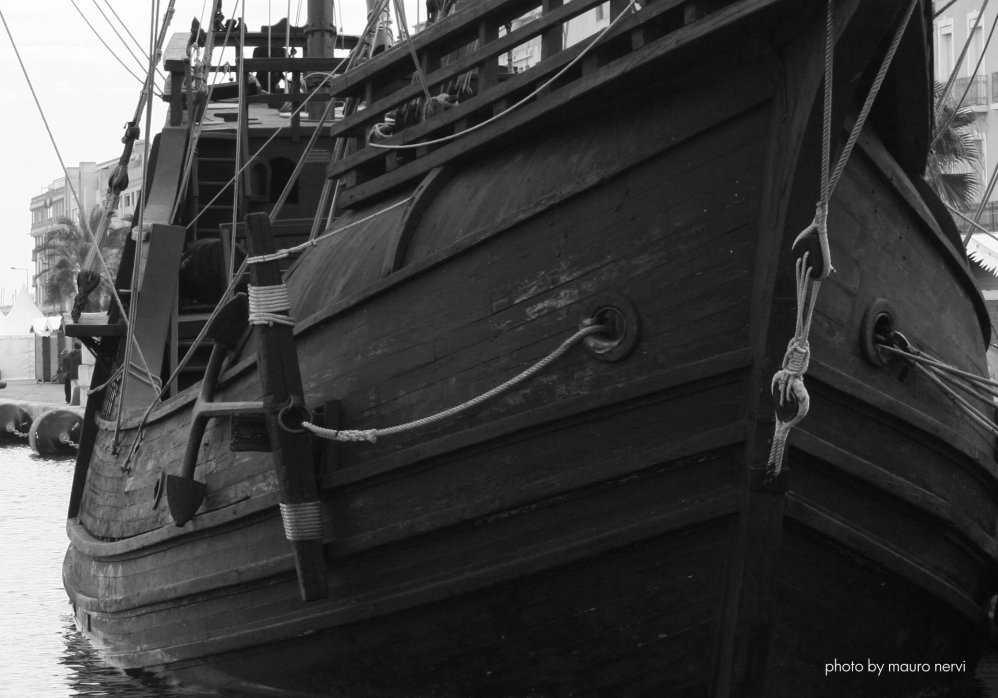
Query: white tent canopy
(17, 343)
(20, 318)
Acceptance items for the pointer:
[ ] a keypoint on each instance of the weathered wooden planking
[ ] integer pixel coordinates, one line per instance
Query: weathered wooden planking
(234, 606)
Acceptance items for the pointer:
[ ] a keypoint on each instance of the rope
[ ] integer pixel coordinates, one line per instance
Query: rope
(62, 164)
(959, 61)
(302, 520)
(372, 435)
(104, 43)
(787, 386)
(977, 66)
(269, 305)
(544, 86)
(124, 43)
(114, 376)
(252, 158)
(405, 36)
(946, 377)
(131, 341)
(288, 251)
(871, 96)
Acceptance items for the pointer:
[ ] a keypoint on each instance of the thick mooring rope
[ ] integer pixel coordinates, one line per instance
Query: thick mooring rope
(588, 327)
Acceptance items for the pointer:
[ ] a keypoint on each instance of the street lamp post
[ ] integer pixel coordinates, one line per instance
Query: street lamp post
(27, 282)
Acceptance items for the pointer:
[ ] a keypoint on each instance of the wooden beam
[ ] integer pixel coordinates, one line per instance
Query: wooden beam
(280, 379)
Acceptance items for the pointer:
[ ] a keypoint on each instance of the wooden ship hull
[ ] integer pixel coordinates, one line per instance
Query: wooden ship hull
(606, 526)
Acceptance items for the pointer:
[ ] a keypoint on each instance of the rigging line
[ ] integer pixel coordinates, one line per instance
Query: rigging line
(404, 35)
(274, 135)
(970, 82)
(826, 124)
(55, 147)
(113, 197)
(972, 222)
(330, 107)
(976, 415)
(141, 61)
(132, 340)
(944, 8)
(62, 164)
(156, 39)
(538, 90)
(233, 282)
(986, 194)
(959, 61)
(127, 30)
(242, 117)
(199, 124)
(181, 366)
(366, 46)
(870, 97)
(288, 251)
(104, 43)
(959, 376)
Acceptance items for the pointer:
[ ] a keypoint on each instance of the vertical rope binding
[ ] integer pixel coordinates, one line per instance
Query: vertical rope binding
(269, 305)
(302, 520)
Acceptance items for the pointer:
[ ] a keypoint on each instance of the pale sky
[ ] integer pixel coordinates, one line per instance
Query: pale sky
(86, 95)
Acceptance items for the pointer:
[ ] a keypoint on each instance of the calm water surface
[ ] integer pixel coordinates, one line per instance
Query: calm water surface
(42, 655)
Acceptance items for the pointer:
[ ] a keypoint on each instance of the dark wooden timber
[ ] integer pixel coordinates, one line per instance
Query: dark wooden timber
(603, 528)
(283, 401)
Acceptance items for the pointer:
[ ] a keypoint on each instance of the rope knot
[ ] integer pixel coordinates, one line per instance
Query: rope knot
(798, 357)
(821, 217)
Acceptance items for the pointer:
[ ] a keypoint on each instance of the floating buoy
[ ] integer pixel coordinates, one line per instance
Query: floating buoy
(14, 423)
(56, 433)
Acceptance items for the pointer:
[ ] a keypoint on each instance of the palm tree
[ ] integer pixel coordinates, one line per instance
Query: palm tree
(68, 246)
(953, 168)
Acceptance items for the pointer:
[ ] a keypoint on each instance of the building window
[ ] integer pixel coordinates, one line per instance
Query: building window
(944, 49)
(976, 50)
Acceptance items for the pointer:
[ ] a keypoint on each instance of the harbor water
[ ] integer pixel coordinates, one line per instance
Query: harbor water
(43, 655)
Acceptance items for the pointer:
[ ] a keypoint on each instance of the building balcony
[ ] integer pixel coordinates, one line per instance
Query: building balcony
(977, 93)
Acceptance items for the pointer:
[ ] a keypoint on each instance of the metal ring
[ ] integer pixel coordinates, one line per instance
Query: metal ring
(622, 327)
(877, 325)
(294, 403)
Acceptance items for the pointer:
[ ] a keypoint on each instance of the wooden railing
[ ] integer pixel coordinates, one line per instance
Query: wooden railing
(469, 43)
(177, 63)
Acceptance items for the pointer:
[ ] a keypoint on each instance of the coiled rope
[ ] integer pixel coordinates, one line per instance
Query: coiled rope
(302, 520)
(269, 305)
(588, 327)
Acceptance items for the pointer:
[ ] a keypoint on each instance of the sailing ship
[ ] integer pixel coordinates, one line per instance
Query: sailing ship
(499, 400)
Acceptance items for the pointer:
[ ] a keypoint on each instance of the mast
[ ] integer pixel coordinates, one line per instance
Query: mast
(320, 40)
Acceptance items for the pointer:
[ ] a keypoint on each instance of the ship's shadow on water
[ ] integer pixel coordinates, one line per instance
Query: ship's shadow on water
(88, 674)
